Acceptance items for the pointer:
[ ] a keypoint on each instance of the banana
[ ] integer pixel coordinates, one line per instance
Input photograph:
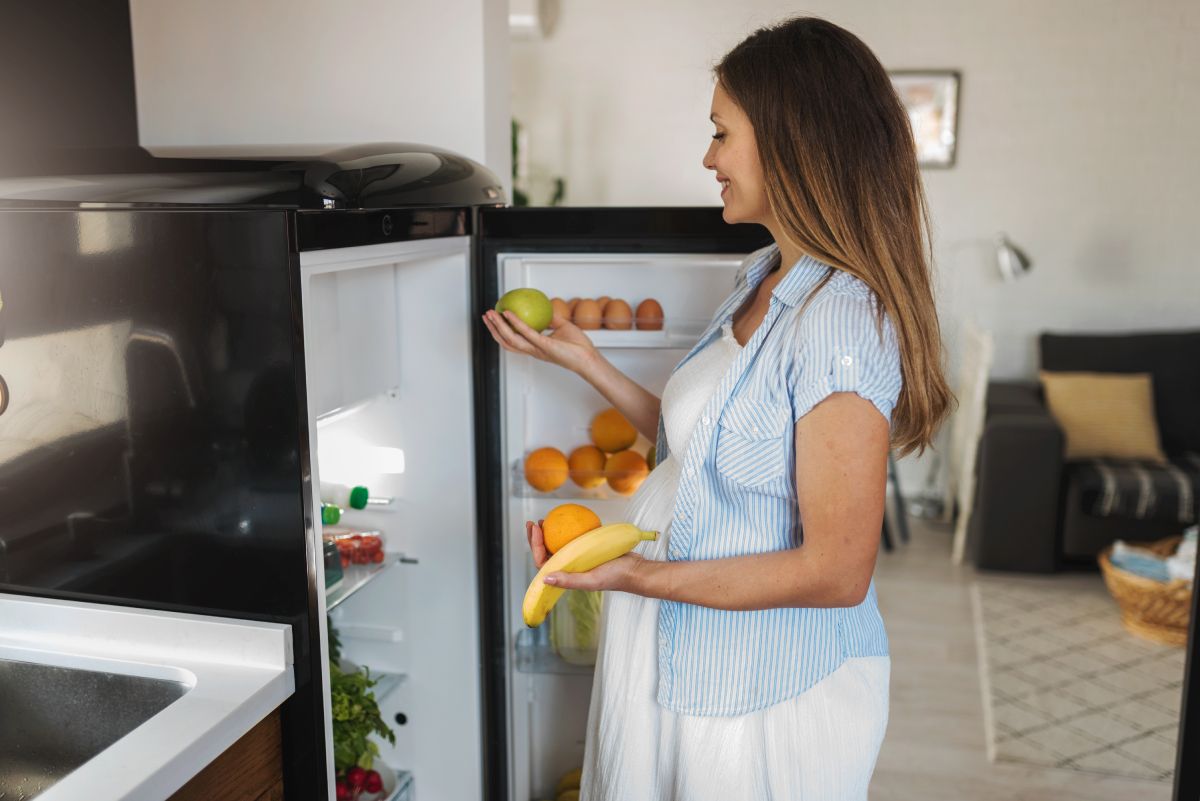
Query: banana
(579, 555)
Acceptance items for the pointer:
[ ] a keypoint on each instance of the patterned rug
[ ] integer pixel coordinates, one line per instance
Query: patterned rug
(1066, 686)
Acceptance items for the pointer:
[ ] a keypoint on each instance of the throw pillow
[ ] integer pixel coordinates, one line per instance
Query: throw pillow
(1104, 414)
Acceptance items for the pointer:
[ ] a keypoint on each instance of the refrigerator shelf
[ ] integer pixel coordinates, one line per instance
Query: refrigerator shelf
(387, 683)
(402, 788)
(568, 491)
(354, 578)
(681, 338)
(535, 655)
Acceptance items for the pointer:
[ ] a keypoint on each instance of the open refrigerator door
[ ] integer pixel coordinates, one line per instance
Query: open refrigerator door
(388, 363)
(562, 444)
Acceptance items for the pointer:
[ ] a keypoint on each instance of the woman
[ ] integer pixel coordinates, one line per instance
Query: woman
(742, 653)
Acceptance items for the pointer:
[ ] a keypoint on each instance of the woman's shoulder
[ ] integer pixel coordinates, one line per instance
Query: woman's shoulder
(845, 306)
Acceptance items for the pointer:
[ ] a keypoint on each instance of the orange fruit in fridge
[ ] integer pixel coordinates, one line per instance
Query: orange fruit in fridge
(587, 466)
(611, 432)
(546, 469)
(566, 522)
(626, 471)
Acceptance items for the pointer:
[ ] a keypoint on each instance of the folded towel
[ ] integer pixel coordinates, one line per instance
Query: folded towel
(1139, 561)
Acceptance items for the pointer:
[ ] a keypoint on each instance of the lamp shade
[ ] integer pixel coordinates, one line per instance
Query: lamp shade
(1011, 261)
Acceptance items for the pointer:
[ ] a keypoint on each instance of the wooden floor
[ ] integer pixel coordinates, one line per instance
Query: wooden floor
(935, 747)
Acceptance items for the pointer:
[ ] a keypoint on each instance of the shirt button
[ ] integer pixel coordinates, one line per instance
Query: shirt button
(706, 420)
(847, 361)
(754, 430)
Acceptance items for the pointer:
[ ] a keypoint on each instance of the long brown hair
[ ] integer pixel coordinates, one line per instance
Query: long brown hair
(840, 167)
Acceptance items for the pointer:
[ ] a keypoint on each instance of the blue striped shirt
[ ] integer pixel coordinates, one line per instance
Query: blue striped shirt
(737, 490)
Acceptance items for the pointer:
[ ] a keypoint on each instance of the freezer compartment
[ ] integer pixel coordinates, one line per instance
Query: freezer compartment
(388, 361)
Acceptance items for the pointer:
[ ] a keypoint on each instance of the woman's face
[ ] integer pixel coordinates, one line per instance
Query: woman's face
(733, 155)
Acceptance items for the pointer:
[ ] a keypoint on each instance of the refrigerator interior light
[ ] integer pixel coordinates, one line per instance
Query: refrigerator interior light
(348, 461)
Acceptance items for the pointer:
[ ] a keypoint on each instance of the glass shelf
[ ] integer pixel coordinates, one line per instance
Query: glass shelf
(386, 683)
(354, 578)
(535, 655)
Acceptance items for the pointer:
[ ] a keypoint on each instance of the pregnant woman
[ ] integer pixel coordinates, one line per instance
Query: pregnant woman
(742, 654)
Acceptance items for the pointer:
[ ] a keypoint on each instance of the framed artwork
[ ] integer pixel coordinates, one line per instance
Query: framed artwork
(931, 99)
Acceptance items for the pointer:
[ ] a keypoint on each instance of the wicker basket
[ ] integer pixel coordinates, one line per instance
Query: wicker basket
(1150, 609)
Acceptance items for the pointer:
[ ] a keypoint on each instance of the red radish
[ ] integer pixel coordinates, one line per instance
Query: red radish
(343, 792)
(374, 782)
(355, 777)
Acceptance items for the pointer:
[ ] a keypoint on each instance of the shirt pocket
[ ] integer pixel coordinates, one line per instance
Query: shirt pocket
(753, 445)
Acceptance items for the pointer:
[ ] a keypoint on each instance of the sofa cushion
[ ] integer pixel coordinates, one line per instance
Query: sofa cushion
(1104, 414)
(1137, 489)
(1173, 359)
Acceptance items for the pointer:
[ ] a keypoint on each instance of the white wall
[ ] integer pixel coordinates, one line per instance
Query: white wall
(1077, 136)
(219, 77)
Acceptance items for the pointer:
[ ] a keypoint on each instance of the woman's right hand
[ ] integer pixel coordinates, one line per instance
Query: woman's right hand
(537, 544)
(567, 346)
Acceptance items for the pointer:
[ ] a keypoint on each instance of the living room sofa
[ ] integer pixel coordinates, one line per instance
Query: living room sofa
(1033, 511)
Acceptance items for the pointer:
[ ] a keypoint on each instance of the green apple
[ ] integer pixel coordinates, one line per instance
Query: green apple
(532, 306)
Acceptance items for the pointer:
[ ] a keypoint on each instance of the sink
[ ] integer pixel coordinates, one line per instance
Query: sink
(54, 719)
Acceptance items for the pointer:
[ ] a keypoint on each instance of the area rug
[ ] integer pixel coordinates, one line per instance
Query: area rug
(1066, 686)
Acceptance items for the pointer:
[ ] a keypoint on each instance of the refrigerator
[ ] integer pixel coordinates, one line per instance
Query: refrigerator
(188, 356)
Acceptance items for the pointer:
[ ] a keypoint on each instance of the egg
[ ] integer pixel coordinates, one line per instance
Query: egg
(617, 315)
(572, 303)
(588, 314)
(561, 308)
(603, 300)
(649, 315)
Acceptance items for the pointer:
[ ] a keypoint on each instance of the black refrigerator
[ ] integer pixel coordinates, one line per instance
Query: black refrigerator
(187, 356)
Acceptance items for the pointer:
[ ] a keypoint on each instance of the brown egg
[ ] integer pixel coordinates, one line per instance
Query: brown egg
(572, 303)
(588, 314)
(603, 300)
(649, 315)
(561, 308)
(618, 316)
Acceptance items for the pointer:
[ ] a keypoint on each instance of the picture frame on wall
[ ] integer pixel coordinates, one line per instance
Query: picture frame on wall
(931, 99)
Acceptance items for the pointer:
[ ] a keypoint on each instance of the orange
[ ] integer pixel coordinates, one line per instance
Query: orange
(566, 522)
(626, 471)
(546, 469)
(612, 432)
(587, 466)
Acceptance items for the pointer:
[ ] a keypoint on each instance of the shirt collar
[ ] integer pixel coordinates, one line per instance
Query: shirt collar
(801, 279)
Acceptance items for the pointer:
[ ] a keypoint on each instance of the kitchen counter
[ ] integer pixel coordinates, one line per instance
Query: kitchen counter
(234, 673)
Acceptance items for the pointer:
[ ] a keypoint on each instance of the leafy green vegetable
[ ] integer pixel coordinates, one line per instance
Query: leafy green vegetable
(355, 718)
(585, 608)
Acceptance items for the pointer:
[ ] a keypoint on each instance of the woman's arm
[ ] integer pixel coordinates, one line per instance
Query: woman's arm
(569, 347)
(841, 478)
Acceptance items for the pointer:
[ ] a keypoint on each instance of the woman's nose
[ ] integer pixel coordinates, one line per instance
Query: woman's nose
(707, 161)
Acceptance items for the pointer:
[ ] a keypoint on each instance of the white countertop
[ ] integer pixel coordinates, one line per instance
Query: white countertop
(237, 671)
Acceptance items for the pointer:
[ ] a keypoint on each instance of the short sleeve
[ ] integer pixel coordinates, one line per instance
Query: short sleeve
(841, 350)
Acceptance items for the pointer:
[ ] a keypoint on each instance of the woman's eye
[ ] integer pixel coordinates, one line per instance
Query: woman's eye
(720, 137)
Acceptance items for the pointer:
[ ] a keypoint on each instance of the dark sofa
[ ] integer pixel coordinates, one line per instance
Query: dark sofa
(1033, 511)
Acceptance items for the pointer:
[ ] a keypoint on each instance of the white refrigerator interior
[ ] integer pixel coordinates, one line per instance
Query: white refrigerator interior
(545, 406)
(388, 361)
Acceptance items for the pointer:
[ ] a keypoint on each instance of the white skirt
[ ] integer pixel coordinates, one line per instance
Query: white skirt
(818, 746)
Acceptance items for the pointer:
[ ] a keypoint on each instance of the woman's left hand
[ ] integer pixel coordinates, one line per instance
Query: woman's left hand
(620, 574)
